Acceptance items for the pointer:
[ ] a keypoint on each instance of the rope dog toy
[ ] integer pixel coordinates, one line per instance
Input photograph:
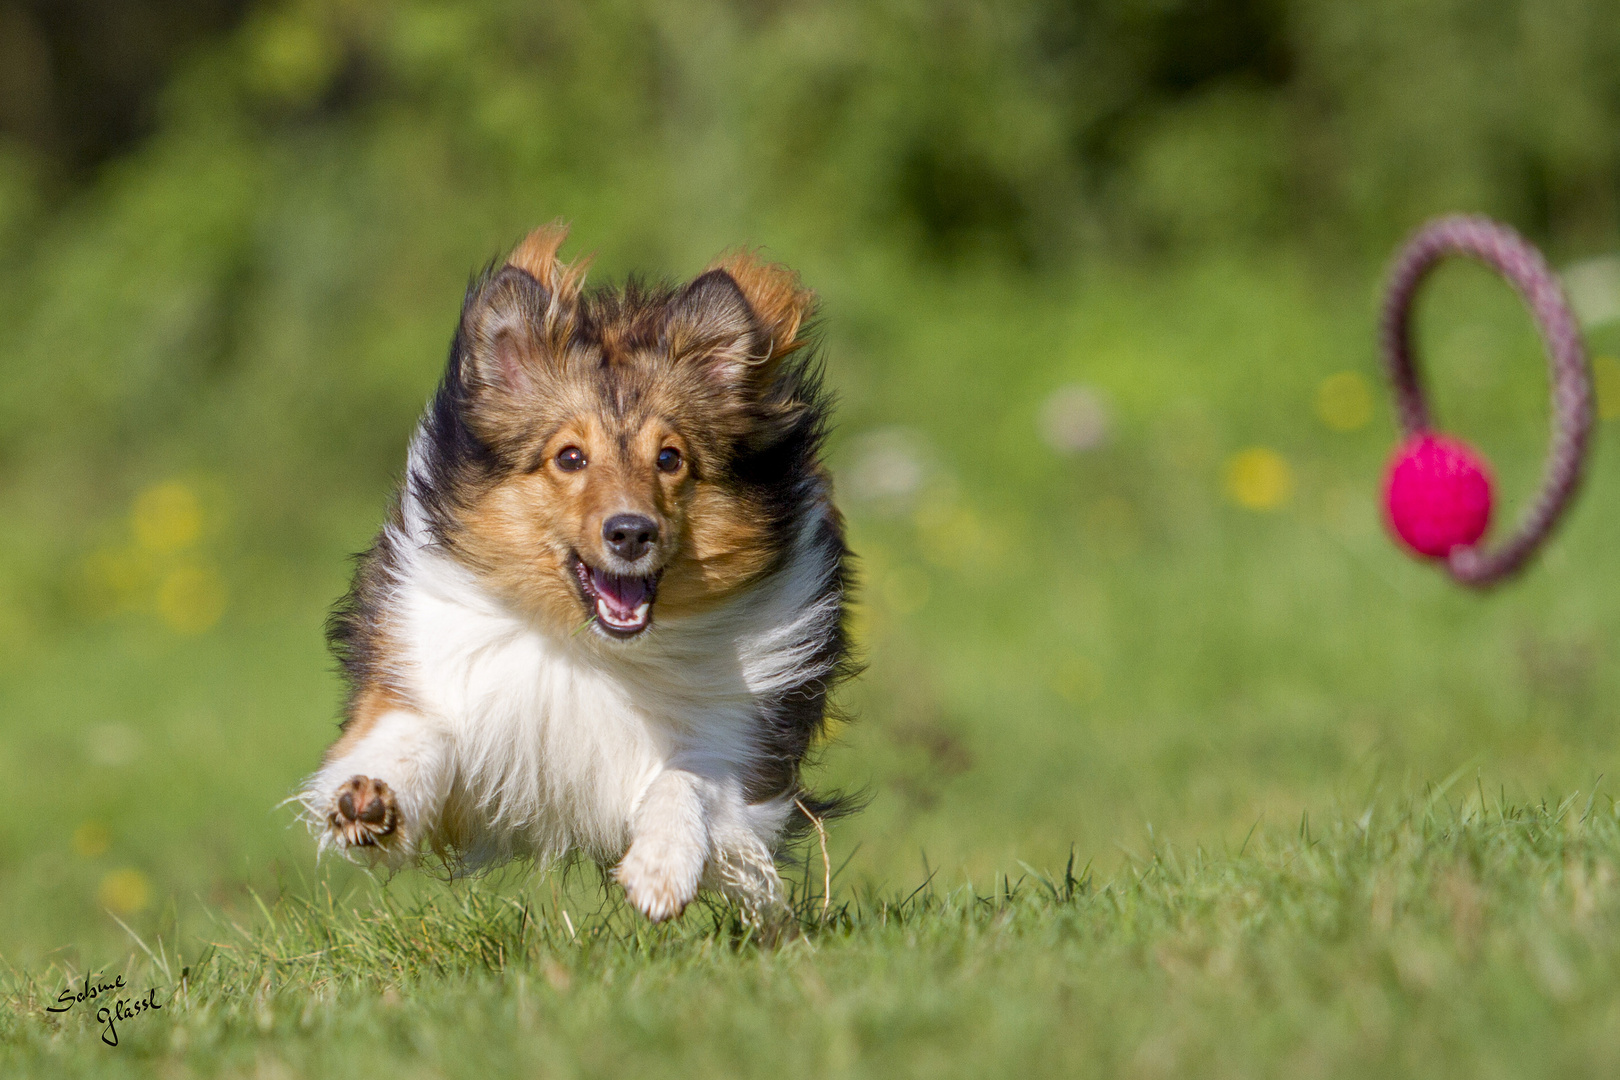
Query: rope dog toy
(1437, 489)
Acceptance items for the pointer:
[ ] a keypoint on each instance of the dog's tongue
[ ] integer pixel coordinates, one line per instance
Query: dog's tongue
(620, 597)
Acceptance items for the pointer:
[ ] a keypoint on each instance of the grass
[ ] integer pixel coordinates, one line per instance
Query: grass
(1446, 936)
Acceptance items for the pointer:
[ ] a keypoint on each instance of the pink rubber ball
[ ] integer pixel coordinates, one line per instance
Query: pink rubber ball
(1437, 494)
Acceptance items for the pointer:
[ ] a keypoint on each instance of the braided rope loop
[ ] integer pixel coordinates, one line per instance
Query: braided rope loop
(1513, 257)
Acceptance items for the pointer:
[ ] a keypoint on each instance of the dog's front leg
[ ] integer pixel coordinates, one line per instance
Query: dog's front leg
(669, 844)
(382, 786)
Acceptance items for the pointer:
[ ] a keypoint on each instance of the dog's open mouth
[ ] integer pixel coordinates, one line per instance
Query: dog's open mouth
(622, 605)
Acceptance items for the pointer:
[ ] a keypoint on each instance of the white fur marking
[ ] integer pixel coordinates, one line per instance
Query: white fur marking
(527, 743)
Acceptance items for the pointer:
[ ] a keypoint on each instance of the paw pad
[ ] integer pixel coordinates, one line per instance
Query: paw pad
(363, 812)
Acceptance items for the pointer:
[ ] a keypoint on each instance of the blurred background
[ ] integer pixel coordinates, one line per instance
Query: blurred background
(1099, 282)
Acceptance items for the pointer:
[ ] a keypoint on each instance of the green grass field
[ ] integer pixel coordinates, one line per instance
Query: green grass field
(1446, 937)
(1323, 814)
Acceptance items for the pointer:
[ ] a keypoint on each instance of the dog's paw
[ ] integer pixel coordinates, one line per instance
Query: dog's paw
(659, 879)
(363, 814)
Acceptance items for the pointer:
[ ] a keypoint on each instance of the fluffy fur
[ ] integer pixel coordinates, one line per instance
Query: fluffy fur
(609, 605)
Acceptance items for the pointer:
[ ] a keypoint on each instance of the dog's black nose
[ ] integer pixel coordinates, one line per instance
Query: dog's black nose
(629, 535)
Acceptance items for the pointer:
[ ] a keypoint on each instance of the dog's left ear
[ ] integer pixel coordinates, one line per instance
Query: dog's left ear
(740, 318)
(711, 323)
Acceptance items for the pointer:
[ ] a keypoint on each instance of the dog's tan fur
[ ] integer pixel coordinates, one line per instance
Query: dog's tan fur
(521, 532)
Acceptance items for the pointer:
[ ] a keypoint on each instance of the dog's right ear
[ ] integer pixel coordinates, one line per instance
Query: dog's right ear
(524, 314)
(503, 331)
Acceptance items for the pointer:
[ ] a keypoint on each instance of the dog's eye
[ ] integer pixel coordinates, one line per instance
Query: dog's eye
(570, 459)
(669, 459)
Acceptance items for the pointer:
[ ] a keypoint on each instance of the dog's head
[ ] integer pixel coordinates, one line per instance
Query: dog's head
(616, 438)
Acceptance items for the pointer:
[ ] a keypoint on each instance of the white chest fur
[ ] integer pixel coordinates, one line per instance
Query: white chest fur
(550, 744)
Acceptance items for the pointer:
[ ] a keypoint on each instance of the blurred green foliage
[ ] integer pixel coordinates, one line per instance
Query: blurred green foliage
(79, 79)
(319, 178)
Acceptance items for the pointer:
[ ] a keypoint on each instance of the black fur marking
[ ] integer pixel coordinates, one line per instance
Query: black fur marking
(458, 462)
(793, 720)
(780, 468)
(354, 627)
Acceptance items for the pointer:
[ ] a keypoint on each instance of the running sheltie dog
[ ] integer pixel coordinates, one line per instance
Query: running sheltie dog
(606, 612)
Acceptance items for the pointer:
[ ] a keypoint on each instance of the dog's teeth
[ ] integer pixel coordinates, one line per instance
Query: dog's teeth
(637, 618)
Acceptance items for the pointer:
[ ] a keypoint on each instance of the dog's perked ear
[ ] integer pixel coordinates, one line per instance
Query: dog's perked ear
(740, 318)
(780, 302)
(710, 323)
(524, 313)
(502, 331)
(561, 281)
